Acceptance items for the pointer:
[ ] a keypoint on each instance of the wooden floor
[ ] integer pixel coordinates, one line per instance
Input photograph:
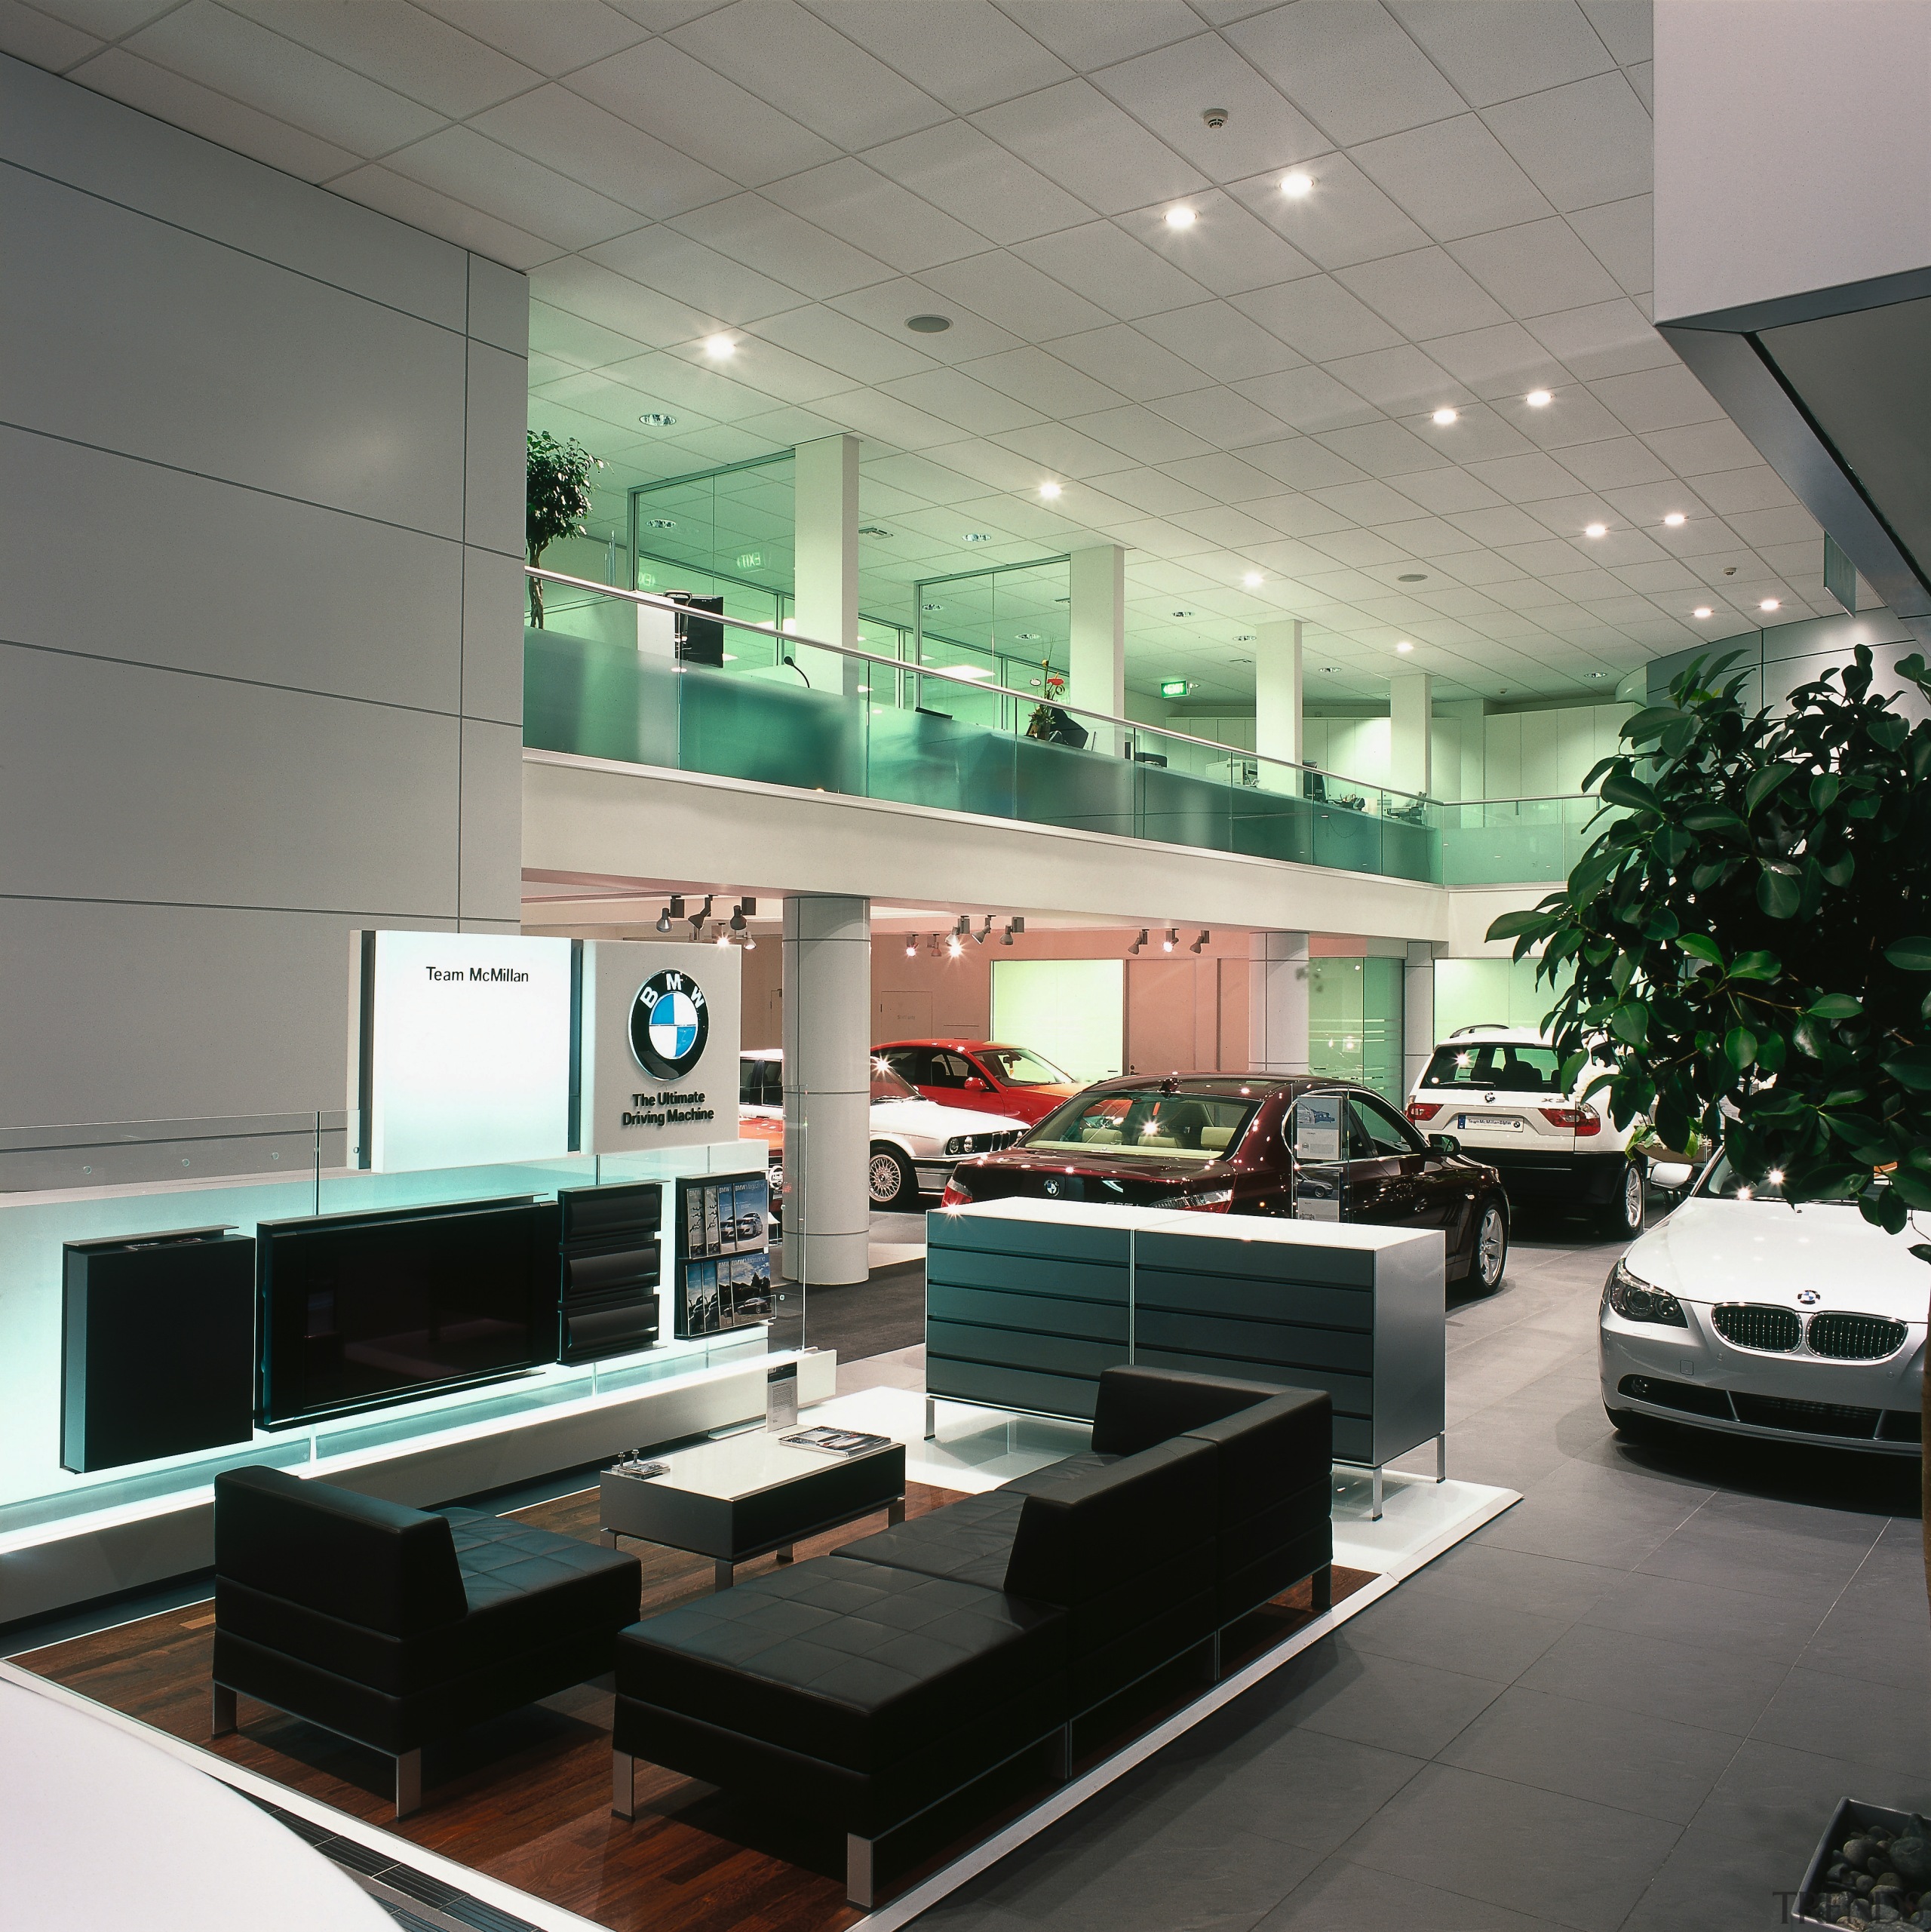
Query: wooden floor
(526, 1798)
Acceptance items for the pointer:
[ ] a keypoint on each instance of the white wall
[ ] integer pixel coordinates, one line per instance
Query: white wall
(260, 642)
(1547, 754)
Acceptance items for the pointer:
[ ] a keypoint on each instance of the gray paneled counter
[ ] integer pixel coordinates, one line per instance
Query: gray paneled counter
(1026, 1302)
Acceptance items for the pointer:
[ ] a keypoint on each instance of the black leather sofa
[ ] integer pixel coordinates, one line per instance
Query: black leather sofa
(399, 1627)
(860, 1688)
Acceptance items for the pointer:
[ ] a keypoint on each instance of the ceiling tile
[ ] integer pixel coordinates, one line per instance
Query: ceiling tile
(1430, 537)
(1493, 50)
(574, 339)
(688, 384)
(1062, 451)
(1345, 218)
(1535, 267)
(858, 353)
(1625, 27)
(1222, 416)
(1042, 381)
(759, 233)
(1573, 417)
(1454, 177)
(1107, 265)
(1152, 491)
(1401, 380)
(107, 20)
(1657, 399)
(860, 205)
(603, 151)
(1227, 250)
(1651, 579)
(1085, 36)
(553, 38)
(1384, 449)
(674, 265)
(1496, 528)
(1643, 80)
(888, 420)
(1303, 463)
(427, 208)
(467, 166)
(1645, 505)
(1347, 66)
(790, 59)
(1424, 293)
(1318, 317)
(1614, 463)
(1755, 487)
(37, 38)
(1581, 145)
(1449, 492)
(1231, 480)
(236, 57)
(955, 397)
(1017, 297)
(1123, 357)
(588, 289)
(887, 305)
(964, 53)
(1606, 339)
(1170, 91)
(1308, 398)
(181, 103)
(659, 87)
(1140, 433)
(1502, 360)
(972, 178)
(1370, 502)
(1525, 479)
(1480, 433)
(412, 51)
(1218, 338)
(1762, 528)
(1072, 134)
(1621, 237)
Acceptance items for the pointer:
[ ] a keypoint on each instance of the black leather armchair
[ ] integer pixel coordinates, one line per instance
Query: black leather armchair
(399, 1627)
(861, 1687)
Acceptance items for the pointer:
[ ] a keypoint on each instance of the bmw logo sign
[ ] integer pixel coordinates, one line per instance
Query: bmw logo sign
(1052, 1186)
(669, 1025)
(1809, 1296)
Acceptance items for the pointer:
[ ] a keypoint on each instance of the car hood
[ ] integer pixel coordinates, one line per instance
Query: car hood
(929, 1118)
(1765, 1251)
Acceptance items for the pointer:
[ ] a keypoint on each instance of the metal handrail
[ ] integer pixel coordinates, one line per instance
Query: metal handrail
(656, 603)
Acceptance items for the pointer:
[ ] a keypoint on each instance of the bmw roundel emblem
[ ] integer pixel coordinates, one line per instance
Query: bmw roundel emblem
(669, 1024)
(1809, 1296)
(1052, 1186)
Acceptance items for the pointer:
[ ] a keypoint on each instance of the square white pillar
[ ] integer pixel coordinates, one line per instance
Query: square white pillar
(1277, 1002)
(1417, 1012)
(825, 565)
(1410, 710)
(1279, 708)
(1096, 652)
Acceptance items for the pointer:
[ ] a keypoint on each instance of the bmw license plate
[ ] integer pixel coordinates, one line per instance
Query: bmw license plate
(1494, 1123)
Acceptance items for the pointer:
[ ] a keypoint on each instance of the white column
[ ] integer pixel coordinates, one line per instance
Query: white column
(1096, 650)
(1277, 707)
(1410, 710)
(1417, 1012)
(825, 559)
(827, 1013)
(1469, 714)
(1277, 989)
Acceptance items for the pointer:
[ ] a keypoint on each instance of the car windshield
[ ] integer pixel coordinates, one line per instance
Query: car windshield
(1721, 1182)
(889, 1084)
(1149, 1126)
(760, 1083)
(1018, 1068)
(1496, 1063)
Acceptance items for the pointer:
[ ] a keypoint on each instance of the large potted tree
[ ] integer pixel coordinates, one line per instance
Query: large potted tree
(1751, 937)
(556, 499)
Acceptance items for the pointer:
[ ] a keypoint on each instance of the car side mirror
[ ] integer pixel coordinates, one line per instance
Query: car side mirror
(1670, 1176)
(974, 1085)
(1444, 1144)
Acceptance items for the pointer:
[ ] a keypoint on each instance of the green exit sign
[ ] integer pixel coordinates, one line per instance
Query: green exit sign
(751, 560)
(1172, 687)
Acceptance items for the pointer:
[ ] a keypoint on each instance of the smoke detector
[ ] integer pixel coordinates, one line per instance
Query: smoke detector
(1215, 117)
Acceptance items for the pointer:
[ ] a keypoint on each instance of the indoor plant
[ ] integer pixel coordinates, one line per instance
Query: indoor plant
(556, 499)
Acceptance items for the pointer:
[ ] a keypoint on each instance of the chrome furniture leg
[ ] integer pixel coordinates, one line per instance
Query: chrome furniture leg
(931, 1418)
(623, 1784)
(409, 1782)
(224, 1712)
(1374, 1516)
(1442, 1457)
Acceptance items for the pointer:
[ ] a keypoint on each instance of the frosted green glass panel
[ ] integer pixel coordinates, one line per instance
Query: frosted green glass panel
(1072, 1011)
(1354, 1022)
(1471, 992)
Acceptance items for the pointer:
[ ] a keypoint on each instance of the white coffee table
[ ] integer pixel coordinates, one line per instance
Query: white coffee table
(747, 1494)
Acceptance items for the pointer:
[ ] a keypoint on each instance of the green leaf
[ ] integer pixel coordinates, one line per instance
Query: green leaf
(1620, 788)
(1707, 874)
(1779, 893)
(1703, 946)
(1823, 791)
(1910, 1073)
(1841, 869)
(1516, 924)
(1835, 1006)
(1771, 1051)
(1912, 1188)
(1713, 818)
(1631, 1023)
(1763, 783)
(1622, 972)
(1911, 955)
(1755, 965)
(1740, 1047)
(1650, 722)
(1890, 731)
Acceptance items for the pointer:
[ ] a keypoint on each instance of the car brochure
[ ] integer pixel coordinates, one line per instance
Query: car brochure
(836, 1441)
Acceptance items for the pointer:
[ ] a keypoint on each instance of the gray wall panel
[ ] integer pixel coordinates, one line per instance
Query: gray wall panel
(155, 341)
(359, 609)
(498, 416)
(64, 131)
(499, 305)
(492, 637)
(118, 781)
(491, 874)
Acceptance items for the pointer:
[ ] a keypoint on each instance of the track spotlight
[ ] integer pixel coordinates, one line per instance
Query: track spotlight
(750, 943)
(738, 918)
(1139, 942)
(699, 917)
(663, 920)
(985, 932)
(964, 926)
(955, 946)
(911, 944)
(721, 933)
(1204, 936)
(1008, 940)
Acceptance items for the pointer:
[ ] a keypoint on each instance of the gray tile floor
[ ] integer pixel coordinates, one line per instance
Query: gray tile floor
(1629, 1702)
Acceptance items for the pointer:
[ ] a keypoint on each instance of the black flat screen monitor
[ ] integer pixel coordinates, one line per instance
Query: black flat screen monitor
(360, 1310)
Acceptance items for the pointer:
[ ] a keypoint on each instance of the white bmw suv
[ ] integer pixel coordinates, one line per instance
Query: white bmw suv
(1499, 1091)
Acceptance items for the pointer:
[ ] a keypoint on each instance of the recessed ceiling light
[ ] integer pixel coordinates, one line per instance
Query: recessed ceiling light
(1595, 677)
(1675, 520)
(1049, 490)
(1413, 577)
(1595, 530)
(1702, 611)
(1538, 399)
(977, 536)
(928, 325)
(661, 523)
(657, 419)
(931, 606)
(1029, 636)
(872, 529)
(1296, 185)
(1445, 416)
(1253, 580)
(1768, 603)
(1183, 613)
(1404, 647)
(1243, 637)
(1181, 217)
(1330, 667)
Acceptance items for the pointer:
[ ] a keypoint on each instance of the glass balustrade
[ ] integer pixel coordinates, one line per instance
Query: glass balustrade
(785, 711)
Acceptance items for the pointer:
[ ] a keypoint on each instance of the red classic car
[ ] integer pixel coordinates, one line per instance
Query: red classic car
(982, 1074)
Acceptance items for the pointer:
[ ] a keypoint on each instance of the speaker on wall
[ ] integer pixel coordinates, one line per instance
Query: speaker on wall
(157, 1347)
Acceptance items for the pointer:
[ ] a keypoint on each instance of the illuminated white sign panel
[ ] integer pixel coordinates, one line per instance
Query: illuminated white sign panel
(463, 1056)
(660, 1045)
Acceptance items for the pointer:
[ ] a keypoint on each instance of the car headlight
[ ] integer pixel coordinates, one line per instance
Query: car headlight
(1636, 1299)
(1213, 1200)
(959, 1143)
